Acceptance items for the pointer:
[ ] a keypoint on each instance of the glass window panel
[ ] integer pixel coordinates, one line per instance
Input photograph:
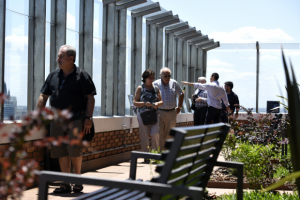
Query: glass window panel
(47, 50)
(48, 10)
(97, 72)
(20, 6)
(128, 30)
(238, 66)
(73, 15)
(164, 48)
(128, 64)
(98, 18)
(47, 54)
(272, 76)
(144, 35)
(73, 40)
(144, 46)
(128, 78)
(16, 65)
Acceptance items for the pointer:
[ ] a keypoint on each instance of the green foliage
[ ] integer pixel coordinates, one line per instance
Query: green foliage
(281, 172)
(294, 128)
(229, 146)
(256, 162)
(253, 195)
(158, 151)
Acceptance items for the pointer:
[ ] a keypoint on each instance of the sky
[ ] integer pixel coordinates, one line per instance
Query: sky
(232, 21)
(228, 21)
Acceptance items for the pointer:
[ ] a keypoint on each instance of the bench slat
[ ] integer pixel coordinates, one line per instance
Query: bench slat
(192, 158)
(205, 146)
(101, 194)
(88, 195)
(200, 138)
(129, 195)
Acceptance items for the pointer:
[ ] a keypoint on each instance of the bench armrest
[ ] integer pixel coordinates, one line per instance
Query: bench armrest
(240, 167)
(156, 188)
(138, 154)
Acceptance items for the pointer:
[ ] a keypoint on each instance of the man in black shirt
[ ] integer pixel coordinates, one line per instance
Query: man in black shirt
(233, 100)
(69, 88)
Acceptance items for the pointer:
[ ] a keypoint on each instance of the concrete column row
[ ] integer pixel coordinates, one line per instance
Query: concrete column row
(184, 49)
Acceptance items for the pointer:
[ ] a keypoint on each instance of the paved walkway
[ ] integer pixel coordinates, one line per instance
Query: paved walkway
(119, 171)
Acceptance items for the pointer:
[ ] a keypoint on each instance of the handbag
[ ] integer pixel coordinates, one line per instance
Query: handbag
(193, 107)
(149, 117)
(89, 136)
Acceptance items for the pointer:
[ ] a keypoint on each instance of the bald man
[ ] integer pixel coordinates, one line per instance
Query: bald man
(169, 89)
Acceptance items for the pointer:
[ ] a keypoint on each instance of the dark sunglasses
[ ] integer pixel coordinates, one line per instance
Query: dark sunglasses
(62, 84)
(167, 76)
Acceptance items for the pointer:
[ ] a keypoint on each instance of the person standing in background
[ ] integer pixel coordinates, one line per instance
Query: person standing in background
(200, 97)
(215, 93)
(168, 112)
(65, 88)
(147, 97)
(233, 101)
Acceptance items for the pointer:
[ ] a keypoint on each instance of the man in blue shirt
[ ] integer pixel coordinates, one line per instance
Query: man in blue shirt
(215, 93)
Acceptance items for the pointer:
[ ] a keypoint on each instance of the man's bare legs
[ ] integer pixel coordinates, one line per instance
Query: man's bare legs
(65, 164)
(77, 161)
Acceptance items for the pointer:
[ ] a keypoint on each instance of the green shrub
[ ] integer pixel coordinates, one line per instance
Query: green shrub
(253, 195)
(256, 162)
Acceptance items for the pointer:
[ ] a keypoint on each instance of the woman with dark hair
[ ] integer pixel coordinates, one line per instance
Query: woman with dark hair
(147, 98)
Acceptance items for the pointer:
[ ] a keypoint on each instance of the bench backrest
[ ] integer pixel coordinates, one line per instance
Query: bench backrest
(191, 155)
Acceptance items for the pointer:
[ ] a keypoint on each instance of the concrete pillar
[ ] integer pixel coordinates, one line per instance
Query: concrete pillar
(120, 65)
(199, 68)
(169, 52)
(136, 52)
(207, 47)
(36, 51)
(108, 58)
(86, 24)
(154, 39)
(137, 43)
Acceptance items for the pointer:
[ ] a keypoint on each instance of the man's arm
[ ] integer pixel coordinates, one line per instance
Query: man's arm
(180, 98)
(204, 98)
(225, 99)
(90, 105)
(201, 86)
(180, 102)
(89, 113)
(187, 83)
(238, 103)
(42, 101)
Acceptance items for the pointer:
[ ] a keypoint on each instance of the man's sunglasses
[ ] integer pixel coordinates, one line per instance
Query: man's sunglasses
(167, 76)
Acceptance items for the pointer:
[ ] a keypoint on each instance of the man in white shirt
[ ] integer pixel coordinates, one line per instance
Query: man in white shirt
(215, 92)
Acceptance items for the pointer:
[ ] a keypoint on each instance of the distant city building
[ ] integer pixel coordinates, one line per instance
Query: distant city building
(20, 112)
(10, 107)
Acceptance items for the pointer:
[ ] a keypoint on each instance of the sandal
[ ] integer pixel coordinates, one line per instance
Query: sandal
(64, 188)
(77, 188)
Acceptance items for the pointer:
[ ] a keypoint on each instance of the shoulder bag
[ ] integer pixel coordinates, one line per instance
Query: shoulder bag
(149, 117)
(193, 107)
(89, 136)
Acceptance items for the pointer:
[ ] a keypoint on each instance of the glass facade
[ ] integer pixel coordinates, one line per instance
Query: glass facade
(232, 64)
(73, 25)
(16, 59)
(97, 54)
